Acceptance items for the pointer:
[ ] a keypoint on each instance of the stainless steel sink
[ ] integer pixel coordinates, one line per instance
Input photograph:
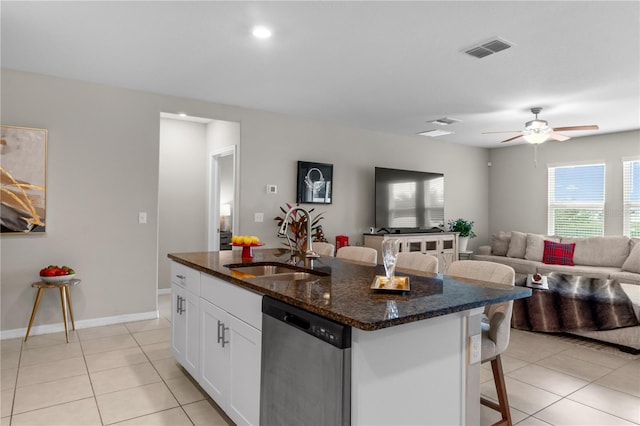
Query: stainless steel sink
(271, 270)
(262, 270)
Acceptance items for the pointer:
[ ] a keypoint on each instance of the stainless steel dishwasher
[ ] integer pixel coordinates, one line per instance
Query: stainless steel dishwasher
(306, 368)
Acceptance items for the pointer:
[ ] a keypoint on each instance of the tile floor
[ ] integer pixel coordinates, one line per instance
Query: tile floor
(125, 374)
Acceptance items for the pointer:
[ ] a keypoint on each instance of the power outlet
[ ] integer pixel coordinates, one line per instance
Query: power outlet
(258, 217)
(475, 346)
(142, 217)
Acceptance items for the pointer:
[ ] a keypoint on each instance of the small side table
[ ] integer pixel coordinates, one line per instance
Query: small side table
(65, 299)
(465, 255)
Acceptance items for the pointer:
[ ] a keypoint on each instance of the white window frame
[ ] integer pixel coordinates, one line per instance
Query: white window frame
(553, 205)
(627, 204)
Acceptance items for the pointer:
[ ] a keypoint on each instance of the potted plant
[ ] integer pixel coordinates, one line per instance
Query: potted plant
(465, 229)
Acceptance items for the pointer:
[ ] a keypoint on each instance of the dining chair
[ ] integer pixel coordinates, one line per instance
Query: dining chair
(359, 254)
(417, 261)
(496, 332)
(324, 249)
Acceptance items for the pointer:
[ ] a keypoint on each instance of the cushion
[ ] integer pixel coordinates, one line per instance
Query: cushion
(611, 250)
(632, 264)
(535, 246)
(558, 254)
(500, 243)
(517, 245)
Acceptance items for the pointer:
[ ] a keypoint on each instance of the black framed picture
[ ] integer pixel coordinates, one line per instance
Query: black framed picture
(315, 183)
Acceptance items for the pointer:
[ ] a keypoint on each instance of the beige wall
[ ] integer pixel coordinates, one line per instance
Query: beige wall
(103, 169)
(518, 189)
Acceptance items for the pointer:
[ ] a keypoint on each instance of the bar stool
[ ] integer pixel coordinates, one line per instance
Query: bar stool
(65, 299)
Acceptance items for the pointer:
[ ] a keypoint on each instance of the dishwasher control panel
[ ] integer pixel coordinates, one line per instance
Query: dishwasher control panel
(334, 333)
(323, 333)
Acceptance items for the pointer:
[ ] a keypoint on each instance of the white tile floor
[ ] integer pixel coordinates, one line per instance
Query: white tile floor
(125, 374)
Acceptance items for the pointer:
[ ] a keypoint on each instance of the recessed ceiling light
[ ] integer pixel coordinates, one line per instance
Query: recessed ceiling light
(434, 133)
(182, 114)
(261, 32)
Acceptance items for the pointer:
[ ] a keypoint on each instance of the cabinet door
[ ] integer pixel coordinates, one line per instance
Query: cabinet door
(214, 371)
(192, 331)
(447, 254)
(244, 357)
(178, 323)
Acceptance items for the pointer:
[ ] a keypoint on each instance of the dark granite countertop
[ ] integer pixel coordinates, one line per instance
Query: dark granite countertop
(345, 294)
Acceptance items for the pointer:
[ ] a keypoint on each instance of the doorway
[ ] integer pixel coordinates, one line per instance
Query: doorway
(188, 215)
(222, 196)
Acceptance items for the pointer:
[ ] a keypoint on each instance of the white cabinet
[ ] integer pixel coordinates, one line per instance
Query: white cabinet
(444, 246)
(214, 373)
(185, 336)
(231, 343)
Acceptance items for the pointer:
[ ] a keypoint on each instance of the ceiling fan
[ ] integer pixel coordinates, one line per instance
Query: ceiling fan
(537, 131)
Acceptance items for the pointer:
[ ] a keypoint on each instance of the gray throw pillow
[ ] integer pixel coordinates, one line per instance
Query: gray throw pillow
(632, 264)
(500, 243)
(517, 245)
(535, 246)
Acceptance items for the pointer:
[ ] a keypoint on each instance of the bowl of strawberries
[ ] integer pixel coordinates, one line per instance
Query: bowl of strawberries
(57, 274)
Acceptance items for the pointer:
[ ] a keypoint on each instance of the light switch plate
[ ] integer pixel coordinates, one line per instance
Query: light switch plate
(258, 217)
(272, 189)
(142, 217)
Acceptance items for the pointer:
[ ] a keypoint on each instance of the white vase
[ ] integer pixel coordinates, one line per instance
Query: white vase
(462, 243)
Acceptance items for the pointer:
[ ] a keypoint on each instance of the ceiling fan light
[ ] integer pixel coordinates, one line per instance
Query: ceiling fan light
(535, 137)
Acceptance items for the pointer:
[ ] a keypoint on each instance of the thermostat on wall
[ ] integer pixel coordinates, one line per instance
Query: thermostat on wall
(272, 189)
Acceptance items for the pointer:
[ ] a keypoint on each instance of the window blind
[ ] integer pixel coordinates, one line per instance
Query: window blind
(576, 198)
(631, 198)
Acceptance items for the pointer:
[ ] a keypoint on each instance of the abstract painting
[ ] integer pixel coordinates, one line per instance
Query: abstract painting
(23, 176)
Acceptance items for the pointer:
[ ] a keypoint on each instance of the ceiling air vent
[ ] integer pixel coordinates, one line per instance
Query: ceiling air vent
(444, 121)
(488, 48)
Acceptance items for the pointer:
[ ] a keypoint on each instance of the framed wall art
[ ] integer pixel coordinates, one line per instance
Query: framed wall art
(23, 176)
(315, 183)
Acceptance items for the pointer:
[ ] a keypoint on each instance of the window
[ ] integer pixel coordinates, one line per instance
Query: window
(576, 200)
(631, 198)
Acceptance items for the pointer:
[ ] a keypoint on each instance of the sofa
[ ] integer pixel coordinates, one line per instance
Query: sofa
(605, 258)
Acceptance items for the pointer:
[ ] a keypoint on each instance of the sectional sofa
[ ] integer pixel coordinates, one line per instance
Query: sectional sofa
(606, 258)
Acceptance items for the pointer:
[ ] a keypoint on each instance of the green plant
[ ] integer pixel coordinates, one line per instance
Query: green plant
(463, 227)
(297, 228)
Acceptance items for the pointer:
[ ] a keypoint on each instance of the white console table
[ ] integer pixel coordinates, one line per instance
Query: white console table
(443, 245)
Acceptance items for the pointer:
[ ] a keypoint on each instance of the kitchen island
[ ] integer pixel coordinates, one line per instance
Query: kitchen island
(410, 358)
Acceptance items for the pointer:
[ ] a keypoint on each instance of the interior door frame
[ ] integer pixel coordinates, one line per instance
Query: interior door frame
(213, 237)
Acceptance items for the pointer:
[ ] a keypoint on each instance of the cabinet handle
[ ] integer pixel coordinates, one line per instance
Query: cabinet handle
(221, 333)
(224, 334)
(182, 305)
(178, 303)
(220, 326)
(182, 277)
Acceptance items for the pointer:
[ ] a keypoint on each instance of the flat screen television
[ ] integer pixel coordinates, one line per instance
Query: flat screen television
(408, 200)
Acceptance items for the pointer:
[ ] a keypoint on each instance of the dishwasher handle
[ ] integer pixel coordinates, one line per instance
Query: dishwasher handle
(296, 321)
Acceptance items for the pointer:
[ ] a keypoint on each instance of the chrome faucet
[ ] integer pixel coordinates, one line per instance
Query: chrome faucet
(309, 253)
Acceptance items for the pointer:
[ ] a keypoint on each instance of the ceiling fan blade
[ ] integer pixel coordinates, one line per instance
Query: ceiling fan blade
(558, 136)
(502, 131)
(511, 139)
(565, 129)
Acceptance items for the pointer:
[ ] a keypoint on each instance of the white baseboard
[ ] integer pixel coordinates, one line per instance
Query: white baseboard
(94, 322)
(164, 291)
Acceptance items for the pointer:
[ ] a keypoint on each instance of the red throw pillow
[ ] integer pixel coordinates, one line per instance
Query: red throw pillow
(558, 254)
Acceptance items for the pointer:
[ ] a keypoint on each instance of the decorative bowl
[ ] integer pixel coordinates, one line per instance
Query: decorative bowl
(58, 278)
